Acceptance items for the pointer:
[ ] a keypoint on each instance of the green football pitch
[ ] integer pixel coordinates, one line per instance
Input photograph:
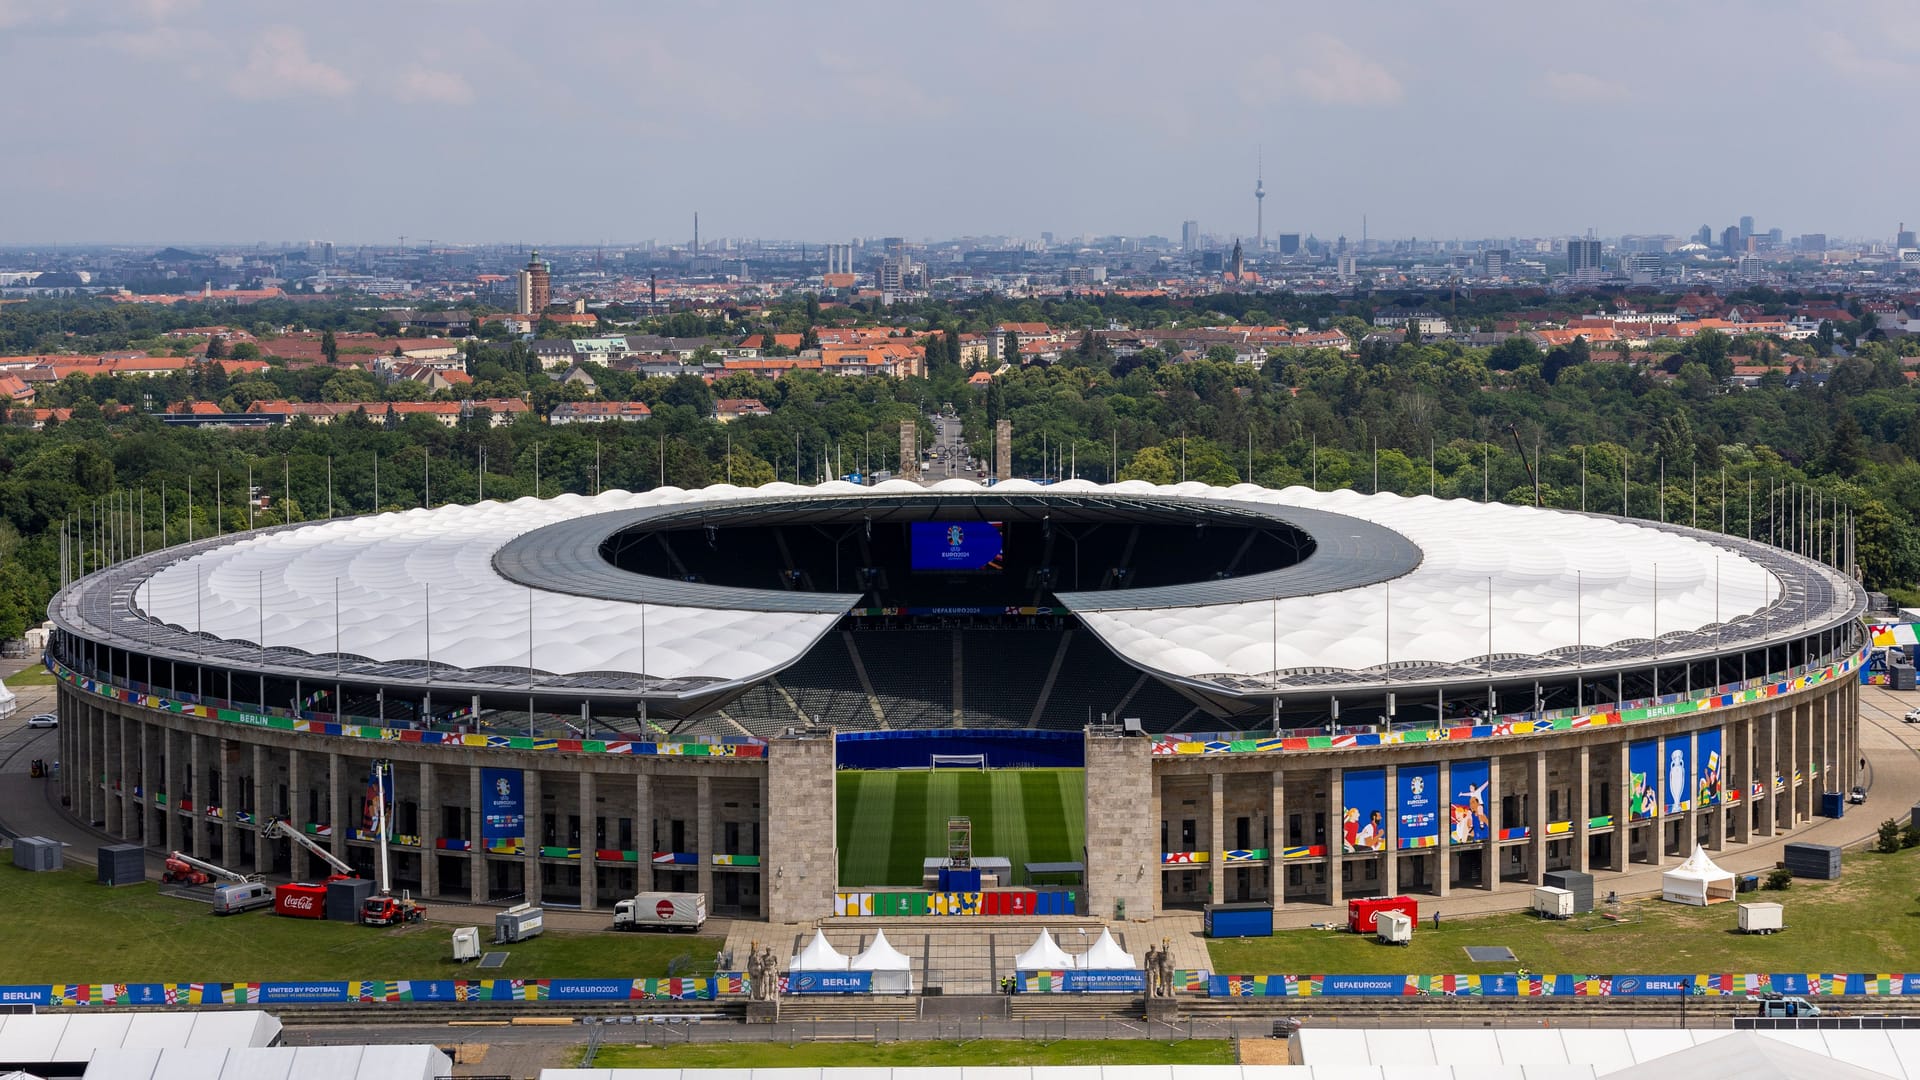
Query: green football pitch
(890, 821)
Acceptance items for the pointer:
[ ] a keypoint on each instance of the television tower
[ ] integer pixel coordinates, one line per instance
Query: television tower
(1259, 204)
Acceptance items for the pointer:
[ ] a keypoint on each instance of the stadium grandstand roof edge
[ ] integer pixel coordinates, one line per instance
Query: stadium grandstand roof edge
(1396, 591)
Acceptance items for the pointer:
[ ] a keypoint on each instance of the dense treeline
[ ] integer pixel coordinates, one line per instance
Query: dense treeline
(1424, 417)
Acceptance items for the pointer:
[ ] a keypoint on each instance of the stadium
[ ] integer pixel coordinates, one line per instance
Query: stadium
(779, 696)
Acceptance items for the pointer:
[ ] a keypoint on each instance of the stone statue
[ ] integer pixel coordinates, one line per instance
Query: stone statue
(1153, 973)
(771, 973)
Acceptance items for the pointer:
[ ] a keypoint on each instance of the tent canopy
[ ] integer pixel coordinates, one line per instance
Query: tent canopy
(1043, 955)
(1750, 1055)
(7, 701)
(1697, 881)
(1107, 955)
(880, 956)
(819, 956)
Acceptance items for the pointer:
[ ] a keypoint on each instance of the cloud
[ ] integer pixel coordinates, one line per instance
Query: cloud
(278, 66)
(428, 86)
(1844, 58)
(1334, 74)
(1578, 87)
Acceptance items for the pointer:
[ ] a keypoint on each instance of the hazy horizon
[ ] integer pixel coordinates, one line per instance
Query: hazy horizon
(482, 122)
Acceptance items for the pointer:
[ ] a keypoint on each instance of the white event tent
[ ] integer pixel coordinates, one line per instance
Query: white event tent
(1698, 881)
(892, 971)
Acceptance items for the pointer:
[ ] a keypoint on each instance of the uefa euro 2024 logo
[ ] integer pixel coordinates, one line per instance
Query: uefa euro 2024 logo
(956, 537)
(501, 788)
(1419, 785)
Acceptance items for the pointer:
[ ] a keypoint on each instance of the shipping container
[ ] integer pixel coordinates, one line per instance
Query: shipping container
(1361, 911)
(1238, 920)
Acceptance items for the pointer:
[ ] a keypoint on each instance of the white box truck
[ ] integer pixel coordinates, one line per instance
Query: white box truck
(1761, 918)
(682, 911)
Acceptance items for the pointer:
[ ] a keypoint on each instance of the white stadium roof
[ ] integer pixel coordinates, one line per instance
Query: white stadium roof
(1511, 590)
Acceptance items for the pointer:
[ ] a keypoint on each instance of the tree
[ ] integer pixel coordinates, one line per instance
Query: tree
(1010, 349)
(216, 347)
(1513, 354)
(329, 347)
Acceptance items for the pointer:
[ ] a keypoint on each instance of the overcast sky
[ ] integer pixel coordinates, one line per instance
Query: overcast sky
(615, 120)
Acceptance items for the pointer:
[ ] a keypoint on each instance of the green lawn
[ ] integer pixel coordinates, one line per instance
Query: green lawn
(892, 820)
(1868, 921)
(33, 676)
(845, 1055)
(63, 927)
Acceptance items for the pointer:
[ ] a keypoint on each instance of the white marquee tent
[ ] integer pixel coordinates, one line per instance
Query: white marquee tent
(1698, 881)
(1107, 955)
(8, 702)
(892, 971)
(1044, 955)
(819, 956)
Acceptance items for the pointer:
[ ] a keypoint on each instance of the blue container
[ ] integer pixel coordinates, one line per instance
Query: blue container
(1239, 920)
(1833, 804)
(953, 880)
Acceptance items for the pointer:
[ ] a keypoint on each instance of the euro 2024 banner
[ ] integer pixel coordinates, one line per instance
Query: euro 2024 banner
(1364, 815)
(1467, 820)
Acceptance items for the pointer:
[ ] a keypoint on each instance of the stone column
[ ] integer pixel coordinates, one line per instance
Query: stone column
(589, 862)
(302, 864)
(1216, 839)
(1277, 838)
(1537, 820)
(482, 890)
(801, 826)
(703, 833)
(536, 833)
(1717, 824)
(1390, 880)
(1444, 848)
(645, 872)
(1621, 847)
(1766, 762)
(199, 791)
(1336, 837)
(1789, 765)
(174, 780)
(337, 815)
(1692, 817)
(643, 834)
(1490, 873)
(1582, 806)
(130, 759)
(262, 862)
(148, 784)
(429, 831)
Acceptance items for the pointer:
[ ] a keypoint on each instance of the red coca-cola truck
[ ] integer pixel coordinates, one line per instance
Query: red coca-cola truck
(301, 899)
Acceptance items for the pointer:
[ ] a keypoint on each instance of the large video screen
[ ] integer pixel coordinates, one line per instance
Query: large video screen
(969, 547)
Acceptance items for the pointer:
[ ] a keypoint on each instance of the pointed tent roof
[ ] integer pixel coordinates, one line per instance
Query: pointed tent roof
(1751, 1056)
(1106, 955)
(880, 955)
(6, 699)
(1044, 955)
(1698, 865)
(819, 956)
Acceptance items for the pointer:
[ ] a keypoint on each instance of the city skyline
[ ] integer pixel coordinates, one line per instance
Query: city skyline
(477, 122)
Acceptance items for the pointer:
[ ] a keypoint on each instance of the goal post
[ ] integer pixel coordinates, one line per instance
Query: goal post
(957, 761)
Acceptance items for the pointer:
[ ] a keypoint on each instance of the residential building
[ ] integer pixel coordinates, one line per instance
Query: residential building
(1583, 259)
(598, 412)
(727, 410)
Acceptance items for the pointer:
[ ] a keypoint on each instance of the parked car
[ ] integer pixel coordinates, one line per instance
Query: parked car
(43, 720)
(1912, 717)
(1857, 796)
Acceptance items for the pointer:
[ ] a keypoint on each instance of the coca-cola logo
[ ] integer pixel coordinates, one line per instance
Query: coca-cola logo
(297, 901)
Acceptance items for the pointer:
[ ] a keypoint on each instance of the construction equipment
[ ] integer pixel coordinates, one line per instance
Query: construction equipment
(384, 908)
(302, 899)
(184, 869)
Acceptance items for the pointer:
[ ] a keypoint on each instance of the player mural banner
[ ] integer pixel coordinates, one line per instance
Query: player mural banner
(1467, 821)
(1578, 986)
(1364, 815)
(1643, 780)
(1707, 791)
(1419, 807)
(503, 814)
(1677, 760)
(372, 991)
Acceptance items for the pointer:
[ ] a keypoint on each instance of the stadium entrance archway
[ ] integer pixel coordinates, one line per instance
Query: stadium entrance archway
(1023, 794)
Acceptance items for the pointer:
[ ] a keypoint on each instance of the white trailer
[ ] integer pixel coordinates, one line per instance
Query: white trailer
(518, 923)
(1393, 927)
(1552, 903)
(1761, 918)
(661, 911)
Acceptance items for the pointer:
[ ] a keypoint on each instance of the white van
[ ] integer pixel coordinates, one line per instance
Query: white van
(234, 899)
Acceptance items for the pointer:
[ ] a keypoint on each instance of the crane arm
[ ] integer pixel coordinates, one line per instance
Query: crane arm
(278, 828)
(1535, 480)
(212, 869)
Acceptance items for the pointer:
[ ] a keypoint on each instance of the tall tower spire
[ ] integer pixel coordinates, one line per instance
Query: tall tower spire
(1259, 201)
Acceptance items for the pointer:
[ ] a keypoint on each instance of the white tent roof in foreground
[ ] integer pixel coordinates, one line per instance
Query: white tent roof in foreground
(1607, 1052)
(1044, 955)
(880, 955)
(819, 955)
(273, 1063)
(1489, 579)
